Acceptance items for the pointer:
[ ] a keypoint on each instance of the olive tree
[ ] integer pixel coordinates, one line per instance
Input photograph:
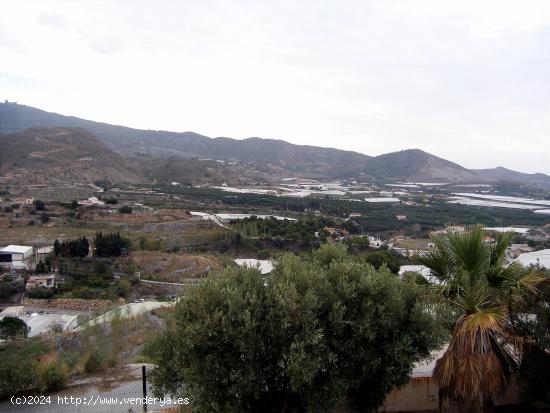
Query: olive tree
(11, 327)
(316, 334)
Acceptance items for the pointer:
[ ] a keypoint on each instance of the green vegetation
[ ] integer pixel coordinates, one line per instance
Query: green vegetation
(390, 259)
(12, 327)
(103, 183)
(39, 205)
(430, 212)
(53, 375)
(9, 287)
(125, 209)
(19, 367)
(302, 230)
(488, 293)
(316, 334)
(111, 245)
(74, 248)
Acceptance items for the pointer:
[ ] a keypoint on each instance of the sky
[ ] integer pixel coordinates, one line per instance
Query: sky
(465, 80)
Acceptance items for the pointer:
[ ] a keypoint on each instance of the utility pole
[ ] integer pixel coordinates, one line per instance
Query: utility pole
(144, 379)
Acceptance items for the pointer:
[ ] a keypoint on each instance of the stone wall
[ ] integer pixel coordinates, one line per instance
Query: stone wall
(75, 304)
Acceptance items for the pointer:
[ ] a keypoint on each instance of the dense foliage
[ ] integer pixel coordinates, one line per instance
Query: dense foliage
(303, 229)
(389, 258)
(39, 205)
(110, 245)
(11, 327)
(316, 334)
(73, 248)
(429, 213)
(9, 287)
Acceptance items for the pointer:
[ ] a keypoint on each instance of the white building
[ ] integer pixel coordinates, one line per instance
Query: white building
(16, 252)
(265, 266)
(43, 252)
(92, 201)
(539, 258)
(375, 242)
(43, 280)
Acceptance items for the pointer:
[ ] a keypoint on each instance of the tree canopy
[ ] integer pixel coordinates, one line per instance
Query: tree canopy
(11, 327)
(110, 245)
(317, 333)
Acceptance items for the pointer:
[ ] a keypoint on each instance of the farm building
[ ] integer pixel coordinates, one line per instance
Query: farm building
(45, 280)
(265, 266)
(43, 252)
(93, 201)
(13, 253)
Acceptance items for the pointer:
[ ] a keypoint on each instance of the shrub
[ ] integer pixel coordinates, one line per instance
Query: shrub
(18, 375)
(39, 205)
(9, 288)
(11, 327)
(41, 293)
(95, 361)
(53, 376)
(125, 209)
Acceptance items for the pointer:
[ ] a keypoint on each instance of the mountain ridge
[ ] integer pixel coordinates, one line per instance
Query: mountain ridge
(308, 160)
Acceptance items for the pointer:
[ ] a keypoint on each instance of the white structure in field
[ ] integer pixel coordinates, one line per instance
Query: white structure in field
(43, 252)
(539, 258)
(265, 266)
(92, 201)
(43, 280)
(375, 242)
(17, 252)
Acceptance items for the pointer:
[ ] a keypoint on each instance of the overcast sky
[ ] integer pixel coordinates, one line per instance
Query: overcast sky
(465, 80)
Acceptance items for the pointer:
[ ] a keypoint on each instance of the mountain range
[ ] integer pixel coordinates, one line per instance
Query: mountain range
(129, 149)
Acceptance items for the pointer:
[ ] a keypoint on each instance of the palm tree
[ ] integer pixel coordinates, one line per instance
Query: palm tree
(476, 280)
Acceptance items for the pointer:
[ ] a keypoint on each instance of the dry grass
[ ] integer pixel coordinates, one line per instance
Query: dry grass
(172, 267)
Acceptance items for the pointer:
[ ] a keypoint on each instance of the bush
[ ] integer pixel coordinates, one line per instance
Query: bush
(18, 375)
(12, 327)
(19, 366)
(9, 288)
(39, 205)
(95, 361)
(124, 288)
(53, 376)
(44, 217)
(125, 209)
(41, 293)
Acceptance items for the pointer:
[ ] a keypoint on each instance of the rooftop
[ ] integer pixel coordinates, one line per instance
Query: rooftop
(265, 266)
(16, 249)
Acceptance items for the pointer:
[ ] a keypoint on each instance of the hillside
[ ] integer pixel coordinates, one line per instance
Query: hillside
(417, 165)
(258, 159)
(48, 154)
(323, 162)
(501, 174)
